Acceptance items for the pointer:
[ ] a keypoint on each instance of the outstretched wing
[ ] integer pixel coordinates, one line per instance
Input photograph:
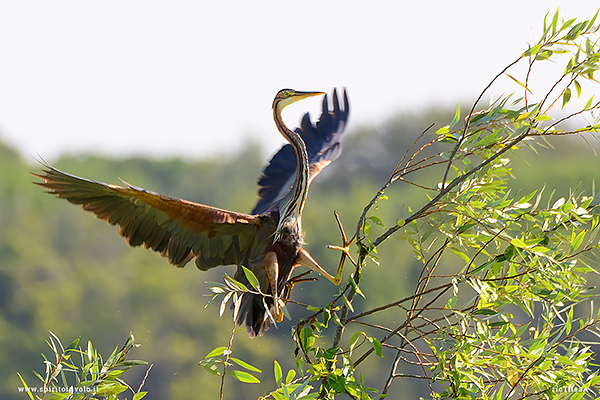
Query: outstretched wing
(179, 230)
(322, 144)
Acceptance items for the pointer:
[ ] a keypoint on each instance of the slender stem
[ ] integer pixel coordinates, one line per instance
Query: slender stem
(468, 120)
(449, 188)
(226, 361)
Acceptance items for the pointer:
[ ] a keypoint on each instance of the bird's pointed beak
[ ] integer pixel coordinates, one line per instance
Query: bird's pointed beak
(294, 97)
(304, 95)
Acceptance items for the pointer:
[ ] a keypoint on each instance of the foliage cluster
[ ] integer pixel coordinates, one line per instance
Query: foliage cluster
(79, 374)
(508, 323)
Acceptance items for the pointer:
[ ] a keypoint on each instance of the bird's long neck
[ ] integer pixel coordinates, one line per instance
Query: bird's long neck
(291, 210)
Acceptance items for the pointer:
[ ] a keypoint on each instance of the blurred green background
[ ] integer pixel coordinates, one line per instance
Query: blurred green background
(63, 270)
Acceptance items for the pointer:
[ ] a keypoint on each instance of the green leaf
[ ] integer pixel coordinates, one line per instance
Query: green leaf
(307, 339)
(277, 372)
(355, 337)
(211, 365)
(219, 351)
(251, 278)
(283, 308)
(577, 88)
(244, 364)
(235, 285)
(544, 55)
(355, 286)
(53, 335)
(575, 31)
(461, 254)
(25, 386)
(112, 389)
(376, 345)
(347, 303)
(519, 82)
(589, 103)
(243, 376)
(443, 130)
(290, 376)
(73, 344)
(331, 353)
(518, 243)
(485, 311)
(139, 396)
(366, 228)
(133, 362)
(90, 352)
(566, 96)
(465, 227)
(377, 221)
(456, 117)
(578, 240)
(555, 21)
(531, 51)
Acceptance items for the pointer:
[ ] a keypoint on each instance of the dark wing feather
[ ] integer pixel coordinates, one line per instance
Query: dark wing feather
(179, 230)
(322, 144)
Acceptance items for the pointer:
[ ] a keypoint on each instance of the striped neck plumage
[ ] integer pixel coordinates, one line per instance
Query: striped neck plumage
(291, 210)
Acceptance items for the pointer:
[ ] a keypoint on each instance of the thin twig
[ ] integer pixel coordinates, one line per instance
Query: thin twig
(145, 376)
(226, 361)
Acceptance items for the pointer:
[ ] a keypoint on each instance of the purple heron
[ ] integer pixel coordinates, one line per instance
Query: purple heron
(268, 241)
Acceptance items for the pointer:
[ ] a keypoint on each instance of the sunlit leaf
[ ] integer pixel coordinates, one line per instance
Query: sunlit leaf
(366, 228)
(290, 376)
(566, 96)
(354, 340)
(347, 303)
(233, 284)
(243, 376)
(217, 352)
(251, 278)
(456, 118)
(27, 390)
(576, 243)
(224, 303)
(277, 372)
(485, 311)
(577, 88)
(531, 51)
(519, 82)
(307, 338)
(376, 220)
(244, 364)
(376, 345)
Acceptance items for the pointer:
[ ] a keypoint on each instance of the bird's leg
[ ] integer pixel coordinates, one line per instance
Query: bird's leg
(289, 285)
(272, 268)
(306, 260)
(345, 248)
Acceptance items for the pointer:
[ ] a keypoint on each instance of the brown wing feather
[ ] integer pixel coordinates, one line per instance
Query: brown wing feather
(178, 229)
(316, 168)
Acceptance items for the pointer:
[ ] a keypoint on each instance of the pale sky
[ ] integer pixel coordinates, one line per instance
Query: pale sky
(195, 78)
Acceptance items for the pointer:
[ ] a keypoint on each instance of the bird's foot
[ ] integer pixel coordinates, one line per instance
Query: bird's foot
(345, 247)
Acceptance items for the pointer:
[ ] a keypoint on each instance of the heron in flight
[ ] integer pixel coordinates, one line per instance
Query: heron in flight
(268, 241)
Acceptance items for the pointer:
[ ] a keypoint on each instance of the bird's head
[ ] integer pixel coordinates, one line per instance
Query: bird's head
(285, 97)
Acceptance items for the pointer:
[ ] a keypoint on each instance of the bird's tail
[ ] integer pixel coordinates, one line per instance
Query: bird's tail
(252, 311)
